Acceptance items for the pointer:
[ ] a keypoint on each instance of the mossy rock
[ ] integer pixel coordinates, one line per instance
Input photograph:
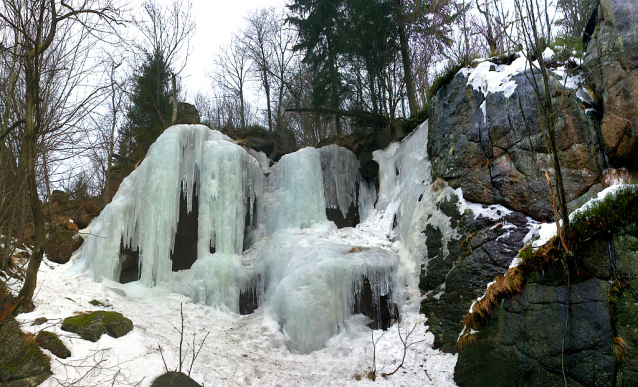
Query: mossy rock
(22, 362)
(91, 326)
(51, 341)
(174, 379)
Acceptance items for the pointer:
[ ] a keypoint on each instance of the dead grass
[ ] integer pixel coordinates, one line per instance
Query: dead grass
(620, 349)
(30, 338)
(505, 287)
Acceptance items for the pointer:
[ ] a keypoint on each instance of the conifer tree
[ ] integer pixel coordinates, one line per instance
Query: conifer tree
(150, 110)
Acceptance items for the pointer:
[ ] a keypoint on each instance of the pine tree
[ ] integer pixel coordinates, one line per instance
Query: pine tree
(150, 110)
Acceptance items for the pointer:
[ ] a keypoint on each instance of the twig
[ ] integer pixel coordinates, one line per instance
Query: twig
(198, 350)
(181, 337)
(162, 354)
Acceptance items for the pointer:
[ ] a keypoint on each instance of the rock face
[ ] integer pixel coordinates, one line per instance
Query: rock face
(484, 249)
(494, 149)
(91, 326)
(22, 363)
(612, 66)
(174, 379)
(522, 343)
(274, 144)
(187, 114)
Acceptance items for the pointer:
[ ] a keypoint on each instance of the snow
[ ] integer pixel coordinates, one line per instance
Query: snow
(488, 77)
(240, 350)
(548, 54)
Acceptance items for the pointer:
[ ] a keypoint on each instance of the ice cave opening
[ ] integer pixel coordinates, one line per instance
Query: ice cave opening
(308, 238)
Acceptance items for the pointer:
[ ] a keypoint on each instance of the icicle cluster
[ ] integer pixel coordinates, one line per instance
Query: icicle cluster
(309, 282)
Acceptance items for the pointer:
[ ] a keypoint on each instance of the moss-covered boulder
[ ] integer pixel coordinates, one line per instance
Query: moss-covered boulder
(174, 379)
(22, 363)
(51, 341)
(91, 326)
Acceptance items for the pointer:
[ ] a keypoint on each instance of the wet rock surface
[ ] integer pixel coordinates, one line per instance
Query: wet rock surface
(612, 68)
(596, 314)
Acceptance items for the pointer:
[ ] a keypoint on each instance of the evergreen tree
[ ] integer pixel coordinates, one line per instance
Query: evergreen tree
(150, 110)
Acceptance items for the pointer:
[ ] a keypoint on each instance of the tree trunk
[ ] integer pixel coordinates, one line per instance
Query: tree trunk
(407, 69)
(241, 107)
(174, 80)
(267, 90)
(29, 144)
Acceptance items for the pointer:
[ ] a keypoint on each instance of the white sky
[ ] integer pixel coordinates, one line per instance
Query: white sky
(216, 22)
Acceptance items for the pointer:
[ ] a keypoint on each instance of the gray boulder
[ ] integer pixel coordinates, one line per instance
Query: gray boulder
(51, 341)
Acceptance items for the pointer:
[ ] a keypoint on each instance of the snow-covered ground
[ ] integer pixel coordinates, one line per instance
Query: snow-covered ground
(240, 350)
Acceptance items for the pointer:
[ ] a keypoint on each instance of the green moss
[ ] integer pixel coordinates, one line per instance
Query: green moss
(50, 336)
(606, 216)
(84, 320)
(444, 79)
(19, 357)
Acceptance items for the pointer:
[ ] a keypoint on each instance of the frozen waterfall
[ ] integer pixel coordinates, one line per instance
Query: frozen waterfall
(261, 229)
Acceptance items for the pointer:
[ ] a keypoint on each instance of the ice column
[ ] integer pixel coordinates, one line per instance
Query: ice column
(295, 192)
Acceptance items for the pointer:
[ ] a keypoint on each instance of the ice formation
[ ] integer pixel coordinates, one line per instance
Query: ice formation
(340, 177)
(407, 201)
(260, 228)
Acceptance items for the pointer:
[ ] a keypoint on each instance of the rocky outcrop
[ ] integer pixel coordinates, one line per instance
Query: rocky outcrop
(91, 326)
(458, 273)
(63, 240)
(612, 67)
(586, 328)
(22, 363)
(493, 147)
(274, 144)
(187, 114)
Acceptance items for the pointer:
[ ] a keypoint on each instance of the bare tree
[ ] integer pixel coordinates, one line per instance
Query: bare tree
(257, 36)
(167, 31)
(535, 41)
(47, 36)
(233, 66)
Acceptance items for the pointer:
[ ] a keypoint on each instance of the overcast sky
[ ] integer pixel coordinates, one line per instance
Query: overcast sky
(216, 22)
